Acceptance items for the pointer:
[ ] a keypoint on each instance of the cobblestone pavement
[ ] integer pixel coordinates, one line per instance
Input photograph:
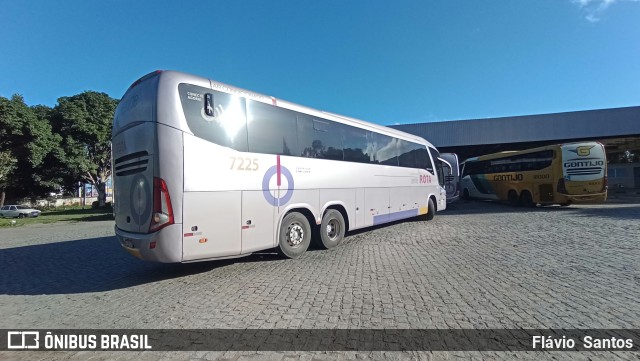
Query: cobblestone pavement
(476, 265)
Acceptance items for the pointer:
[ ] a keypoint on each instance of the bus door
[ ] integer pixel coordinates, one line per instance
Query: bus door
(443, 169)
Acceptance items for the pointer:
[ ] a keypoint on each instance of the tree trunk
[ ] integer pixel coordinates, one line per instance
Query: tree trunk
(2, 195)
(102, 193)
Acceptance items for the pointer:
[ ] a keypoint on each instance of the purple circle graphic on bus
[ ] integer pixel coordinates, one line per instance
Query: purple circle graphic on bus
(265, 186)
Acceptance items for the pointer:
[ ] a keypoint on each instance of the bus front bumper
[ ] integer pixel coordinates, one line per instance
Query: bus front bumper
(583, 198)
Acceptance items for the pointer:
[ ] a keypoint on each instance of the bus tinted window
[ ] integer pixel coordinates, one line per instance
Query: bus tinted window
(408, 154)
(319, 138)
(272, 130)
(355, 145)
(227, 126)
(435, 155)
(423, 160)
(519, 163)
(477, 167)
(385, 149)
(248, 125)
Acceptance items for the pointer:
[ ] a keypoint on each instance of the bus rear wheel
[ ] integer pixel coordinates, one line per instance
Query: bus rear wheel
(294, 236)
(512, 198)
(332, 229)
(527, 199)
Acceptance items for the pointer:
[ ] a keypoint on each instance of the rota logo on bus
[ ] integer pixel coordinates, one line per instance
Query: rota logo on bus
(583, 150)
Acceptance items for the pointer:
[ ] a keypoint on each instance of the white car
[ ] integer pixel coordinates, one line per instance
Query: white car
(18, 211)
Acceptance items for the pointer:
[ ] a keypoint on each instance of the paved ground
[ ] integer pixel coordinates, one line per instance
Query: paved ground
(477, 265)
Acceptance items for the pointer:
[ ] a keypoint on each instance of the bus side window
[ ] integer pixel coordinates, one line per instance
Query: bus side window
(271, 130)
(384, 149)
(423, 159)
(319, 138)
(408, 155)
(215, 116)
(355, 145)
(440, 168)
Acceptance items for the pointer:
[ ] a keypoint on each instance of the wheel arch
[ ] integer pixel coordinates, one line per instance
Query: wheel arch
(434, 199)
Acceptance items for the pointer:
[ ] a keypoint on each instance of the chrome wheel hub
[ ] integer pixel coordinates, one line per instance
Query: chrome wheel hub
(296, 234)
(333, 229)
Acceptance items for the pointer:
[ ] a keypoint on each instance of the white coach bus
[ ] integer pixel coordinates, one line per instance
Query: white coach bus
(204, 170)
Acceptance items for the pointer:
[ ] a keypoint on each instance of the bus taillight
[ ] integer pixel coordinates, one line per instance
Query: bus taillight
(162, 210)
(561, 187)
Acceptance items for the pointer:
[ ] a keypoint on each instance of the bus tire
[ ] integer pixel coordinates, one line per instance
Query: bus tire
(465, 194)
(566, 204)
(332, 229)
(431, 210)
(527, 199)
(512, 198)
(294, 235)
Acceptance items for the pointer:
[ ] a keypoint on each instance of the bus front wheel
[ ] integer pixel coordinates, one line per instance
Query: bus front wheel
(465, 194)
(512, 198)
(332, 229)
(431, 210)
(294, 236)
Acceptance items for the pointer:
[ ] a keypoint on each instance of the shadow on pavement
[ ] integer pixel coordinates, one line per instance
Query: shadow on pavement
(611, 210)
(90, 265)
(480, 207)
(629, 212)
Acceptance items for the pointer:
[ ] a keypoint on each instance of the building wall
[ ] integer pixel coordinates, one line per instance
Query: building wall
(589, 124)
(623, 175)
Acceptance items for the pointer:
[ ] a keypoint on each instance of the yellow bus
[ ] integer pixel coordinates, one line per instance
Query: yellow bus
(555, 174)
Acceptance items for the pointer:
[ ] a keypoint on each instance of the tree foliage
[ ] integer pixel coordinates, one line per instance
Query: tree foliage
(25, 137)
(84, 123)
(7, 166)
(44, 149)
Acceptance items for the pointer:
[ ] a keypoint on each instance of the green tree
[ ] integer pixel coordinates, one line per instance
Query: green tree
(84, 123)
(28, 139)
(51, 174)
(7, 166)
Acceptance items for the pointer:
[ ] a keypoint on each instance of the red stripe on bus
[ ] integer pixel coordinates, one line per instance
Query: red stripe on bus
(278, 170)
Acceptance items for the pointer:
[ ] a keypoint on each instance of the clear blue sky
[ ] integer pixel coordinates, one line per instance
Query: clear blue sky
(383, 61)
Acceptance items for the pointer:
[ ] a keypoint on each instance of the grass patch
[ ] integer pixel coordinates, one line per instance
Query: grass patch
(66, 215)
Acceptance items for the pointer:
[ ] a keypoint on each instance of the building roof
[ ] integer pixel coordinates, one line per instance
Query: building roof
(588, 124)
